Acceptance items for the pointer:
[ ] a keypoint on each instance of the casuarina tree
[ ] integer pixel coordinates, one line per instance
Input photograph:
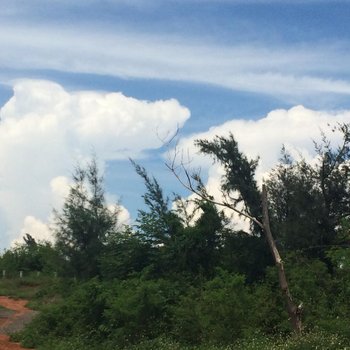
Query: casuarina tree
(85, 222)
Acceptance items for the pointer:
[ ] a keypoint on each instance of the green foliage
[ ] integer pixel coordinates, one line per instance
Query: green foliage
(333, 172)
(296, 206)
(196, 247)
(244, 254)
(122, 312)
(311, 284)
(30, 257)
(172, 246)
(76, 314)
(85, 223)
(309, 341)
(340, 258)
(159, 225)
(125, 255)
(139, 309)
(309, 201)
(222, 309)
(175, 283)
(27, 287)
(215, 312)
(204, 313)
(239, 172)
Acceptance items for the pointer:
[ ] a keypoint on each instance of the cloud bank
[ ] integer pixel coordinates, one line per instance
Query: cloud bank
(295, 128)
(45, 130)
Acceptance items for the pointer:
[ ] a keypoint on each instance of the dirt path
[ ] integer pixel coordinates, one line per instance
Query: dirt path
(13, 319)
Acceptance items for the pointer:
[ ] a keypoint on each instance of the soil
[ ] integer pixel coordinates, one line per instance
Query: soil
(12, 319)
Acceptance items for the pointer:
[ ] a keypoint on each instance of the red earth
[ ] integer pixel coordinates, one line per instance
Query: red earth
(12, 319)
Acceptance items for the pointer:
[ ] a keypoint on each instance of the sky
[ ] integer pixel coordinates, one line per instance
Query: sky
(119, 78)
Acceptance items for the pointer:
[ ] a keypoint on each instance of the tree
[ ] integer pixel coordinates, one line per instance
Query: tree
(239, 175)
(297, 192)
(125, 254)
(308, 201)
(159, 224)
(30, 256)
(245, 254)
(85, 222)
(295, 205)
(197, 245)
(179, 246)
(241, 195)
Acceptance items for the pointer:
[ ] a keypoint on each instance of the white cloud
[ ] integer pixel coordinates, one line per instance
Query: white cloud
(36, 228)
(60, 186)
(296, 128)
(44, 130)
(123, 214)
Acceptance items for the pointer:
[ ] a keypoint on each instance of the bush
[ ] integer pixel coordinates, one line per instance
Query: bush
(219, 312)
(122, 312)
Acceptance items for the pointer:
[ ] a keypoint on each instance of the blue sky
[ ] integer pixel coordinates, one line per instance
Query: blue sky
(214, 66)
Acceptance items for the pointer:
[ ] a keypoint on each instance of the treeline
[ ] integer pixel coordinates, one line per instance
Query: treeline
(184, 276)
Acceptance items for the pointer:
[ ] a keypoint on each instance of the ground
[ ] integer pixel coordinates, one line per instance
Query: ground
(12, 319)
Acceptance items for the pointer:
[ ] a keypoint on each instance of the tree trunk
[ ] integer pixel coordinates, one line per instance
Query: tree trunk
(294, 311)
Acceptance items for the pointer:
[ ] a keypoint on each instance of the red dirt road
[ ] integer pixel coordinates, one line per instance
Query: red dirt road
(12, 319)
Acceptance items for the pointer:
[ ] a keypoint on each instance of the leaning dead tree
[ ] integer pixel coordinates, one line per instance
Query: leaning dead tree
(240, 194)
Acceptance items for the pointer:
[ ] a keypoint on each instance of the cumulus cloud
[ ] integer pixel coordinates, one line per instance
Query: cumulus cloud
(60, 186)
(39, 230)
(123, 214)
(45, 129)
(295, 128)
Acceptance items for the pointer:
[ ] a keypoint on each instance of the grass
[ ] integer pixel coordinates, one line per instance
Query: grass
(38, 290)
(19, 288)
